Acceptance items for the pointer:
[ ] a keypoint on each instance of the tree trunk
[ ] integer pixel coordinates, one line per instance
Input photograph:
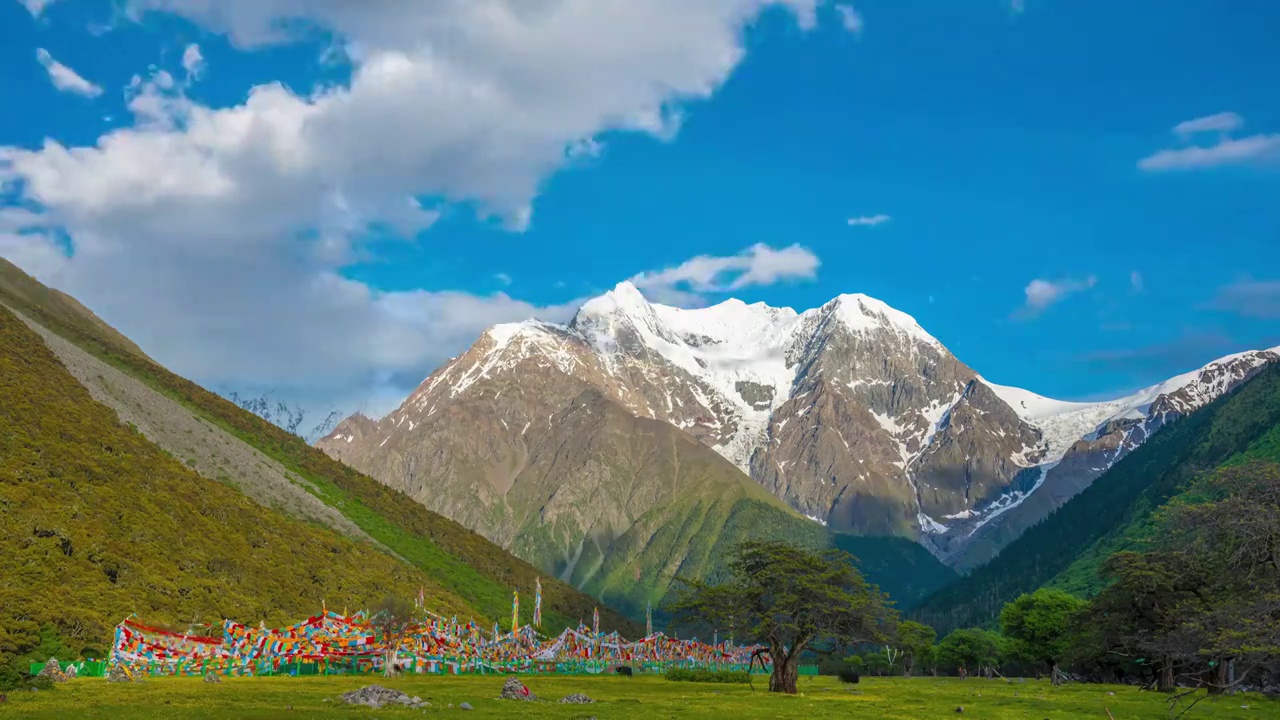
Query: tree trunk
(1165, 682)
(785, 675)
(1053, 671)
(906, 667)
(1219, 682)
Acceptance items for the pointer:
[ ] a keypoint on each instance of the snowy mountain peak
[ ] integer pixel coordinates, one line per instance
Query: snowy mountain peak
(850, 412)
(863, 313)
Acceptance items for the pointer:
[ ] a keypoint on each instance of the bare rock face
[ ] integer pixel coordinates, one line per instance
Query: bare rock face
(556, 440)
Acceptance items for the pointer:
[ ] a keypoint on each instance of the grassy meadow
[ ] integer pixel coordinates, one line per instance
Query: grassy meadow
(647, 697)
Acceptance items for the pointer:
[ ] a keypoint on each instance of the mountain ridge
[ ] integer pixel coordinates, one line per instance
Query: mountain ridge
(850, 412)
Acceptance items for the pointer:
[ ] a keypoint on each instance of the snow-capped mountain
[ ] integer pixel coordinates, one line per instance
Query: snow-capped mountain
(851, 413)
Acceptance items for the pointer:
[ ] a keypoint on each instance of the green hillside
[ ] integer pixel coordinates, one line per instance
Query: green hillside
(97, 523)
(694, 537)
(1066, 549)
(699, 508)
(461, 562)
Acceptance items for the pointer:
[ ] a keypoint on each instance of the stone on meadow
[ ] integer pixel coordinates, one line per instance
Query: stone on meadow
(513, 689)
(53, 671)
(375, 696)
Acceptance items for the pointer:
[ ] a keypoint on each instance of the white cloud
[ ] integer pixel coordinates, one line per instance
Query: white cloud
(869, 220)
(64, 78)
(1017, 7)
(1259, 148)
(503, 278)
(35, 7)
(1255, 148)
(216, 237)
(686, 283)
(850, 18)
(1041, 293)
(193, 62)
(1221, 122)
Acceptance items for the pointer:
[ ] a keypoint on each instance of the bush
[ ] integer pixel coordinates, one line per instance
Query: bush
(13, 677)
(707, 676)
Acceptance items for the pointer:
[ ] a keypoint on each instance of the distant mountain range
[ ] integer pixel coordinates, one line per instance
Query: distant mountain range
(615, 449)
(1116, 512)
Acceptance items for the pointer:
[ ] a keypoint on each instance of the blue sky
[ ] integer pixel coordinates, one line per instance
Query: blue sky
(1032, 225)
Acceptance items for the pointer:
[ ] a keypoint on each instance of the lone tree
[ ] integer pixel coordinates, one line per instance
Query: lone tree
(916, 641)
(969, 648)
(391, 621)
(789, 600)
(1044, 622)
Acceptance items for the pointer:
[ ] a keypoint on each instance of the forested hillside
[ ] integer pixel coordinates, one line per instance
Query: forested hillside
(1068, 548)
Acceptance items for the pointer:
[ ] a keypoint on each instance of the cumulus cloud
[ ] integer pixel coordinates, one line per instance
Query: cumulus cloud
(216, 237)
(850, 18)
(868, 220)
(1041, 293)
(1252, 149)
(193, 62)
(64, 78)
(688, 282)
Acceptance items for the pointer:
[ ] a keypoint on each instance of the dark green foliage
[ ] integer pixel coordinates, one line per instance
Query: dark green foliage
(1113, 513)
(706, 676)
(458, 559)
(969, 648)
(1043, 624)
(790, 600)
(916, 642)
(14, 676)
(902, 568)
(1206, 594)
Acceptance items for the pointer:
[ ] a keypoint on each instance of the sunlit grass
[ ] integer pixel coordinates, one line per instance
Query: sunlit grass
(647, 697)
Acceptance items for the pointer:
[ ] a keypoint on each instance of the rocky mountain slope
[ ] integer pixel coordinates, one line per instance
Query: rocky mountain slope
(1114, 513)
(851, 413)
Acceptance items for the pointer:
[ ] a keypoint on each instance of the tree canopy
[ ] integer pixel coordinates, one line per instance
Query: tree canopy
(789, 600)
(1206, 596)
(1044, 623)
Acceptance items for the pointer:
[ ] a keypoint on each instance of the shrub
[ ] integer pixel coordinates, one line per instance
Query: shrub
(13, 677)
(707, 676)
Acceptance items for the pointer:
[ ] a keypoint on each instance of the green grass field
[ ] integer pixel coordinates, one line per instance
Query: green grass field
(648, 697)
